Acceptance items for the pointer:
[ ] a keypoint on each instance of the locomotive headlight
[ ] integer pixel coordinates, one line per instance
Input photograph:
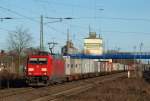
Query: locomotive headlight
(30, 69)
(44, 69)
(44, 73)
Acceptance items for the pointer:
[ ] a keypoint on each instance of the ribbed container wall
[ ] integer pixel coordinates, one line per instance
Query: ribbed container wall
(67, 65)
(72, 69)
(99, 67)
(91, 65)
(108, 67)
(102, 67)
(115, 66)
(85, 66)
(77, 66)
(120, 66)
(96, 66)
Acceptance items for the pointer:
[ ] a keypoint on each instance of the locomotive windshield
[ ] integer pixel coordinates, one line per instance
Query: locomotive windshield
(38, 61)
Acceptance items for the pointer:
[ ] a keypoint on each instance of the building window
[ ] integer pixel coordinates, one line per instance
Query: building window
(92, 45)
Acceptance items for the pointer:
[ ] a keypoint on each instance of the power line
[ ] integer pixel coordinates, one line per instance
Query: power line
(66, 4)
(29, 18)
(54, 29)
(79, 6)
(114, 18)
(16, 13)
(44, 7)
(85, 18)
(7, 30)
(112, 31)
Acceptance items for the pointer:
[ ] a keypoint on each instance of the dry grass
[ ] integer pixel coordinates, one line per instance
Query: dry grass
(122, 89)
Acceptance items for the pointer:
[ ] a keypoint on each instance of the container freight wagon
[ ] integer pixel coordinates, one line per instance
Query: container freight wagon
(44, 69)
(73, 68)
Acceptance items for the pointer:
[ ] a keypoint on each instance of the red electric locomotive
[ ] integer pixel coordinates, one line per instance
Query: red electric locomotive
(44, 68)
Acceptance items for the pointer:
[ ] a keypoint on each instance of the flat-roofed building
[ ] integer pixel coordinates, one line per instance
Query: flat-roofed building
(93, 44)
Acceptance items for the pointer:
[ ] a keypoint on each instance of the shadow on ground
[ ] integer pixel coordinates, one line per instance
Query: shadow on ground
(15, 83)
(146, 76)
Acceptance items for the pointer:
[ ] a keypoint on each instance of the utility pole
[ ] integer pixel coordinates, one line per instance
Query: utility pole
(68, 43)
(41, 34)
(134, 61)
(89, 29)
(140, 61)
(41, 28)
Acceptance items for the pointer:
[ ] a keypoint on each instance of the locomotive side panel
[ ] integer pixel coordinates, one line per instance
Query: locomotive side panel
(58, 70)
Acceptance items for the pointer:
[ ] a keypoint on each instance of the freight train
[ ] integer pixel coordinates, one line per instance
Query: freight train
(44, 69)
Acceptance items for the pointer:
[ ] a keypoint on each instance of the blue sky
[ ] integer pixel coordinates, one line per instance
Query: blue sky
(122, 23)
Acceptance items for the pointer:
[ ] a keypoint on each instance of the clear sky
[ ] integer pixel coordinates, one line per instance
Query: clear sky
(122, 23)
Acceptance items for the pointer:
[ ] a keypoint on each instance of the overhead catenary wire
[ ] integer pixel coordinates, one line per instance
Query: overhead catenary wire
(84, 18)
(4, 29)
(80, 18)
(95, 17)
(65, 4)
(16, 13)
(29, 18)
(113, 18)
(110, 31)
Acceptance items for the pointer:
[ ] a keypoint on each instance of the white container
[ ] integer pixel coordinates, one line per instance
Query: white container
(121, 67)
(102, 67)
(91, 64)
(85, 66)
(72, 67)
(114, 67)
(96, 66)
(99, 67)
(67, 65)
(77, 66)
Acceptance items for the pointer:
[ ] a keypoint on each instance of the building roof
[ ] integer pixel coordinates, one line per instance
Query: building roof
(92, 35)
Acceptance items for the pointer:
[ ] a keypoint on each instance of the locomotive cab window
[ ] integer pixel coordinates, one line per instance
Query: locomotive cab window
(33, 60)
(42, 60)
(38, 60)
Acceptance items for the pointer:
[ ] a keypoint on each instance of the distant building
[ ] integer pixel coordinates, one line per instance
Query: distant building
(93, 44)
(69, 48)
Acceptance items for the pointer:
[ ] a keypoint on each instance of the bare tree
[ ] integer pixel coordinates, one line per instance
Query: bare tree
(19, 40)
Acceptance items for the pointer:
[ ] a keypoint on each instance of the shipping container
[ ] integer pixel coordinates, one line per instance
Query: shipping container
(102, 67)
(85, 66)
(77, 66)
(67, 65)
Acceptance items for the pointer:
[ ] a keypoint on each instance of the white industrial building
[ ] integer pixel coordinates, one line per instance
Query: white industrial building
(93, 44)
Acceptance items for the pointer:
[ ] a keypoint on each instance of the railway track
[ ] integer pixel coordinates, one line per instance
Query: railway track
(10, 92)
(57, 91)
(76, 90)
